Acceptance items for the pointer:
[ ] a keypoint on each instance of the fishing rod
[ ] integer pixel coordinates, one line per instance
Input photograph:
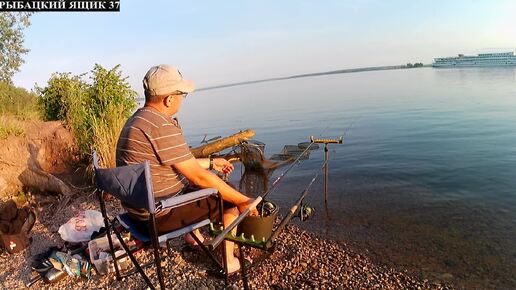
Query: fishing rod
(218, 239)
(296, 161)
(270, 242)
(292, 211)
(280, 177)
(297, 205)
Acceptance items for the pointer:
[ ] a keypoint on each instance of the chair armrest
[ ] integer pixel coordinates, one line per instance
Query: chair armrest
(186, 198)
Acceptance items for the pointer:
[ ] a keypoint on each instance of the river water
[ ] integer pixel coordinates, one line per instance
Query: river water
(426, 178)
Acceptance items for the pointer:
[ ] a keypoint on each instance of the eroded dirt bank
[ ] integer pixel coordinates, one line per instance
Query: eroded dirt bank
(40, 156)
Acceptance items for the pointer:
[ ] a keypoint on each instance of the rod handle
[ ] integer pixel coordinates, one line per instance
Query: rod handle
(218, 239)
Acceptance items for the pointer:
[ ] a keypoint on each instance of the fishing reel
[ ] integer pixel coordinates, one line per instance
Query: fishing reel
(267, 208)
(306, 212)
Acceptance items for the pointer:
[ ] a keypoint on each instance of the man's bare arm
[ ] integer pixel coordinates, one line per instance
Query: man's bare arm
(203, 162)
(219, 164)
(201, 177)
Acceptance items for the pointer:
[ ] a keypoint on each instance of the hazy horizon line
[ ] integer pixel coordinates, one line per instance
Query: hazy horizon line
(340, 71)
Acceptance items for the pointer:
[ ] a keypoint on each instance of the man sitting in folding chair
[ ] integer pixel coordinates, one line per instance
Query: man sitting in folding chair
(152, 134)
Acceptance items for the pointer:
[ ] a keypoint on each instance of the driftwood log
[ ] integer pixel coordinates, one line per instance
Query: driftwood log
(224, 143)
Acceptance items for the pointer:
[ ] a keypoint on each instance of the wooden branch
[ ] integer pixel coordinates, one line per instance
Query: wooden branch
(221, 144)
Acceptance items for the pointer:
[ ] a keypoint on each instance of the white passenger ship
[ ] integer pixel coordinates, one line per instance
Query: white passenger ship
(482, 59)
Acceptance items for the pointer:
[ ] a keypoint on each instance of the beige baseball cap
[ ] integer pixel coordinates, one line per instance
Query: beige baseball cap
(165, 79)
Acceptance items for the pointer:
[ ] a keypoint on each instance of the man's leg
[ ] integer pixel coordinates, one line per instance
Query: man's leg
(196, 212)
(229, 216)
(233, 263)
(190, 240)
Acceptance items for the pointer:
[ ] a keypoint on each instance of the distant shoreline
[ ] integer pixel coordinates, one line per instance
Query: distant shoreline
(340, 71)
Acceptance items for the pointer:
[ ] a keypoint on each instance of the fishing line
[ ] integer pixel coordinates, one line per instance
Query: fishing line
(353, 121)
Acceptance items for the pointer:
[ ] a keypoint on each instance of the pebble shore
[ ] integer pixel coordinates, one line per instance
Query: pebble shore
(301, 260)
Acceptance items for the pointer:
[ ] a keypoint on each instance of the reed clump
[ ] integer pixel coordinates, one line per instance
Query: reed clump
(94, 110)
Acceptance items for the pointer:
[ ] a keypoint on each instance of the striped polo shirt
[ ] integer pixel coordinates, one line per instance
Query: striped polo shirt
(151, 135)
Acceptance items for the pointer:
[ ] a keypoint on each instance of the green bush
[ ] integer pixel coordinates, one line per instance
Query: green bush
(17, 101)
(62, 92)
(95, 112)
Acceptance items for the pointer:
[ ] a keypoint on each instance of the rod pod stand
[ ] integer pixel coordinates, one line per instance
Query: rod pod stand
(220, 237)
(326, 158)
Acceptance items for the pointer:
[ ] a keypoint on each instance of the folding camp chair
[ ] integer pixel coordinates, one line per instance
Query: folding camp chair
(132, 185)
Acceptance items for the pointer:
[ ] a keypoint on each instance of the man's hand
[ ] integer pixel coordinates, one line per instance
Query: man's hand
(222, 165)
(243, 206)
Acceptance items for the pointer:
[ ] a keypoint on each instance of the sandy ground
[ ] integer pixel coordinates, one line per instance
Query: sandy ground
(300, 261)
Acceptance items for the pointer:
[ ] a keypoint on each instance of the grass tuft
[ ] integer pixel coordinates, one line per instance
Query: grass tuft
(17, 102)
(10, 130)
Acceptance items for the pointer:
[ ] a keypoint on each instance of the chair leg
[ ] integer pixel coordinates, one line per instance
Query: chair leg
(224, 251)
(155, 245)
(112, 249)
(108, 225)
(210, 254)
(133, 259)
(242, 267)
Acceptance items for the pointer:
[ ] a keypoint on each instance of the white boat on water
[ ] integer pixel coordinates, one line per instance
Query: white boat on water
(482, 59)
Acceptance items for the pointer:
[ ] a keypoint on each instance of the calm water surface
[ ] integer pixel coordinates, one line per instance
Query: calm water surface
(426, 179)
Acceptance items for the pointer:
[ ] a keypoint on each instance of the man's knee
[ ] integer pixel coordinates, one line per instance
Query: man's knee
(232, 212)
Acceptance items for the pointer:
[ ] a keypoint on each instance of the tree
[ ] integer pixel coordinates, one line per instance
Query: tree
(12, 25)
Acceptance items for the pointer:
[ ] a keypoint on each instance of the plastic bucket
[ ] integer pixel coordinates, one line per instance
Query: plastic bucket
(257, 226)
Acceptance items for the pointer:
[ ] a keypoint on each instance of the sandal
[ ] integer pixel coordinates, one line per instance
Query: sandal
(42, 266)
(41, 263)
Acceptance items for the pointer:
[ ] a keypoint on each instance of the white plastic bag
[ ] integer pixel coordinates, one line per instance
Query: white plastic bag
(80, 227)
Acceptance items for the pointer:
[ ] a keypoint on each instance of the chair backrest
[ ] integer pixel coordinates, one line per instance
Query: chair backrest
(131, 183)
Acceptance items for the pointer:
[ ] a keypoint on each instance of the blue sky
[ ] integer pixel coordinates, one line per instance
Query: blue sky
(217, 42)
